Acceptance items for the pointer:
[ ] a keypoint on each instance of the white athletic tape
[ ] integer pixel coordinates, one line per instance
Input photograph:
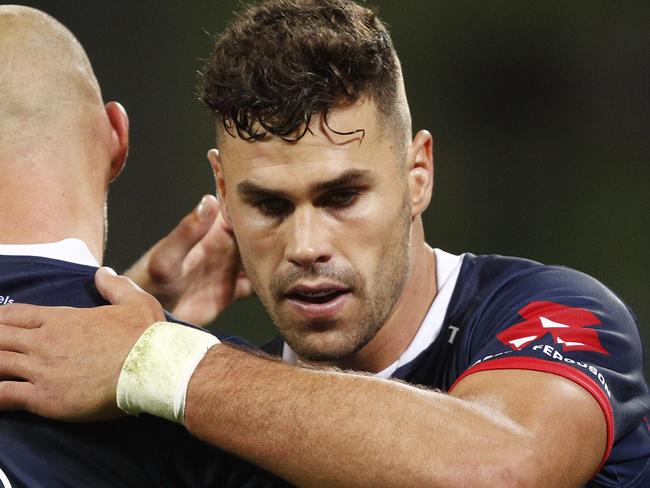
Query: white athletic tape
(157, 370)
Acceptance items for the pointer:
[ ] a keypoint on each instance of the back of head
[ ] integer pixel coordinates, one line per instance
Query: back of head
(47, 86)
(58, 148)
(284, 61)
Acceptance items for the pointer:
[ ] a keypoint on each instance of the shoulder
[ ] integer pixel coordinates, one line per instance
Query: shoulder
(524, 306)
(526, 315)
(45, 281)
(507, 285)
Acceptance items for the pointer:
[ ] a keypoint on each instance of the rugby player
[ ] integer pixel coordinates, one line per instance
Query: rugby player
(471, 370)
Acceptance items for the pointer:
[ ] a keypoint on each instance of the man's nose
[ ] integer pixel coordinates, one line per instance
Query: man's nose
(308, 239)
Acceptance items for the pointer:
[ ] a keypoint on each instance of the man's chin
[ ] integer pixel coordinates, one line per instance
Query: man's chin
(324, 347)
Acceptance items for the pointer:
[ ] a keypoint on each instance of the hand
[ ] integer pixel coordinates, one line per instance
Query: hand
(195, 271)
(63, 362)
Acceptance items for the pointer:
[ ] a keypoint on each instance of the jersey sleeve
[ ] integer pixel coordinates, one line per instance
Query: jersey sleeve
(231, 339)
(560, 321)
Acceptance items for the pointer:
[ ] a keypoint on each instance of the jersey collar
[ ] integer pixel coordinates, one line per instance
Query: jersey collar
(71, 250)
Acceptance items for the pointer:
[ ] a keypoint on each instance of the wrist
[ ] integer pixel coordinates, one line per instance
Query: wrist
(157, 370)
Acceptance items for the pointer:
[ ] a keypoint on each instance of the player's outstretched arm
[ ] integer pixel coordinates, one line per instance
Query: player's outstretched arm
(314, 427)
(327, 428)
(194, 271)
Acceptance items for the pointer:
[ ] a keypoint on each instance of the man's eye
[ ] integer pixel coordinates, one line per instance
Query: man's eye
(273, 207)
(340, 199)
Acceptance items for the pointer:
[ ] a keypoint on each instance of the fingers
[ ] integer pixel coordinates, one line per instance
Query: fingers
(116, 289)
(22, 315)
(15, 339)
(243, 286)
(15, 395)
(219, 225)
(166, 260)
(120, 290)
(13, 365)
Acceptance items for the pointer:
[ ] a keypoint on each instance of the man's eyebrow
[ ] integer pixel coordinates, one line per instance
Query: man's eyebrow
(250, 190)
(347, 178)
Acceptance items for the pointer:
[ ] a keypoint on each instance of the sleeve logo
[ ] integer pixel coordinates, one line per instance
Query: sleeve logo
(567, 325)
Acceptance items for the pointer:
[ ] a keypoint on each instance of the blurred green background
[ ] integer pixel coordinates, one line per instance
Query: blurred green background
(540, 113)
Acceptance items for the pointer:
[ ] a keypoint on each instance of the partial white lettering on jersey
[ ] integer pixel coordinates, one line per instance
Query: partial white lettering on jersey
(454, 331)
(4, 480)
(491, 356)
(6, 300)
(554, 354)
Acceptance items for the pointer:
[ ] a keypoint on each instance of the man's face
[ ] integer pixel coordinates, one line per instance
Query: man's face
(323, 227)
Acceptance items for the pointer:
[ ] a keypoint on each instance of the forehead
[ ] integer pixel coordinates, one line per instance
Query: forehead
(352, 137)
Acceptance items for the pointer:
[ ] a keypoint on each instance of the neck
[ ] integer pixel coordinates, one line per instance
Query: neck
(39, 206)
(408, 313)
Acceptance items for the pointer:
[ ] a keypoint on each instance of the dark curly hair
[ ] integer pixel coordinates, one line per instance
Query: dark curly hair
(283, 61)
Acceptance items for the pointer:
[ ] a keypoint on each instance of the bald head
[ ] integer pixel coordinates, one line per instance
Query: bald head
(47, 84)
(59, 145)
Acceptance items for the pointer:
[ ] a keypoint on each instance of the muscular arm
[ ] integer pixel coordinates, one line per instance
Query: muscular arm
(327, 428)
(312, 427)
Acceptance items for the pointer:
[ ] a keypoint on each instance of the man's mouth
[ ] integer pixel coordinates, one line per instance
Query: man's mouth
(317, 296)
(318, 302)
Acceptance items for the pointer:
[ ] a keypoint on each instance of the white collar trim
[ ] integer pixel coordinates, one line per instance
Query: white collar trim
(447, 271)
(71, 250)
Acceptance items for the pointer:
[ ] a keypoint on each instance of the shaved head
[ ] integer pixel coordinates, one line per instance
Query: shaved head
(60, 146)
(47, 85)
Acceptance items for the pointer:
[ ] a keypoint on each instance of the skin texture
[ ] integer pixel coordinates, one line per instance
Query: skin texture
(319, 428)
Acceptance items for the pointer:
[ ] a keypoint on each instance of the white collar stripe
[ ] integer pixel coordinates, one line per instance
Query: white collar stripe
(71, 250)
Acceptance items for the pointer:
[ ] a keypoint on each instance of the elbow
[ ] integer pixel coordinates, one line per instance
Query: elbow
(511, 476)
(507, 470)
(505, 473)
(518, 470)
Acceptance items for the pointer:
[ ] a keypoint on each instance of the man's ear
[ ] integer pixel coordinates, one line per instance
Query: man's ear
(119, 121)
(217, 167)
(419, 167)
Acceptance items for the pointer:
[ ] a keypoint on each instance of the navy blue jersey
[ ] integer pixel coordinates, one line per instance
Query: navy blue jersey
(510, 313)
(136, 452)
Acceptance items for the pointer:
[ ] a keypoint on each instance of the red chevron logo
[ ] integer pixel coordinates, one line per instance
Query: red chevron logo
(567, 325)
